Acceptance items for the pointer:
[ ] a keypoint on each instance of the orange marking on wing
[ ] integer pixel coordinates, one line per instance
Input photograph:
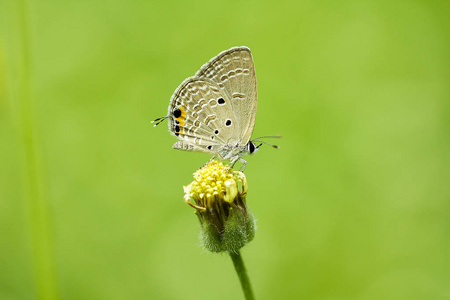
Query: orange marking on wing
(181, 118)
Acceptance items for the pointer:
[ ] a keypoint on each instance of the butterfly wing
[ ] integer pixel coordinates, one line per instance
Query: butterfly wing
(233, 71)
(201, 116)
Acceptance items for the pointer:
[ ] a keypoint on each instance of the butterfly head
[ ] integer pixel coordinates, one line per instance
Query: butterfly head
(252, 148)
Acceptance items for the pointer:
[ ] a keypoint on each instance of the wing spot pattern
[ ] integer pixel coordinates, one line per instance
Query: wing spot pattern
(212, 103)
(238, 96)
(233, 73)
(209, 119)
(182, 146)
(199, 106)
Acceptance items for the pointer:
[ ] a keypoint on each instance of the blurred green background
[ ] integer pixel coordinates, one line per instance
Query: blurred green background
(355, 204)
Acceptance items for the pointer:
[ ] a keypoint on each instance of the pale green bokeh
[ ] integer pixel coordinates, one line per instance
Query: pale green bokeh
(355, 204)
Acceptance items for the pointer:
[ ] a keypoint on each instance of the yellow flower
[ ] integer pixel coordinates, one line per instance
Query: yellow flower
(219, 194)
(214, 183)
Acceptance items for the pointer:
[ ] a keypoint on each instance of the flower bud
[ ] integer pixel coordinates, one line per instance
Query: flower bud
(219, 199)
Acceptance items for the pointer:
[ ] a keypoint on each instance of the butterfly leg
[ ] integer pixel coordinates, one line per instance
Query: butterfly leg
(210, 160)
(244, 164)
(234, 160)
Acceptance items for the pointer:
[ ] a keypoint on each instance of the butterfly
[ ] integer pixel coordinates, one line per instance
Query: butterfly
(214, 111)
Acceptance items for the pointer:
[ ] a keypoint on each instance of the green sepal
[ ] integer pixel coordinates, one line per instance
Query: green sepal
(239, 229)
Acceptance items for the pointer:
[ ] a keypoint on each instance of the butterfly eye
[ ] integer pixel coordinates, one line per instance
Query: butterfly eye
(251, 147)
(228, 122)
(221, 101)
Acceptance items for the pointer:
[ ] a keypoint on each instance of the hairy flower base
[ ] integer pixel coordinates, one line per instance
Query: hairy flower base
(219, 196)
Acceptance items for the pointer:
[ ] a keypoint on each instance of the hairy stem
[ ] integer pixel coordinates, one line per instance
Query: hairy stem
(243, 276)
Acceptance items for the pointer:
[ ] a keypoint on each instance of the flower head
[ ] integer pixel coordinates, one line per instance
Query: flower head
(219, 194)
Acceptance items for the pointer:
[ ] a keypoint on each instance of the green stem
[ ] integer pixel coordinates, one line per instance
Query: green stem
(38, 211)
(243, 276)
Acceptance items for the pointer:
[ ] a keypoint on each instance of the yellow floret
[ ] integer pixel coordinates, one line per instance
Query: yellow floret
(214, 183)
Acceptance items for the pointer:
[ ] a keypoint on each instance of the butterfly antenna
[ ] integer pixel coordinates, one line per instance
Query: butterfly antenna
(262, 142)
(267, 136)
(159, 120)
